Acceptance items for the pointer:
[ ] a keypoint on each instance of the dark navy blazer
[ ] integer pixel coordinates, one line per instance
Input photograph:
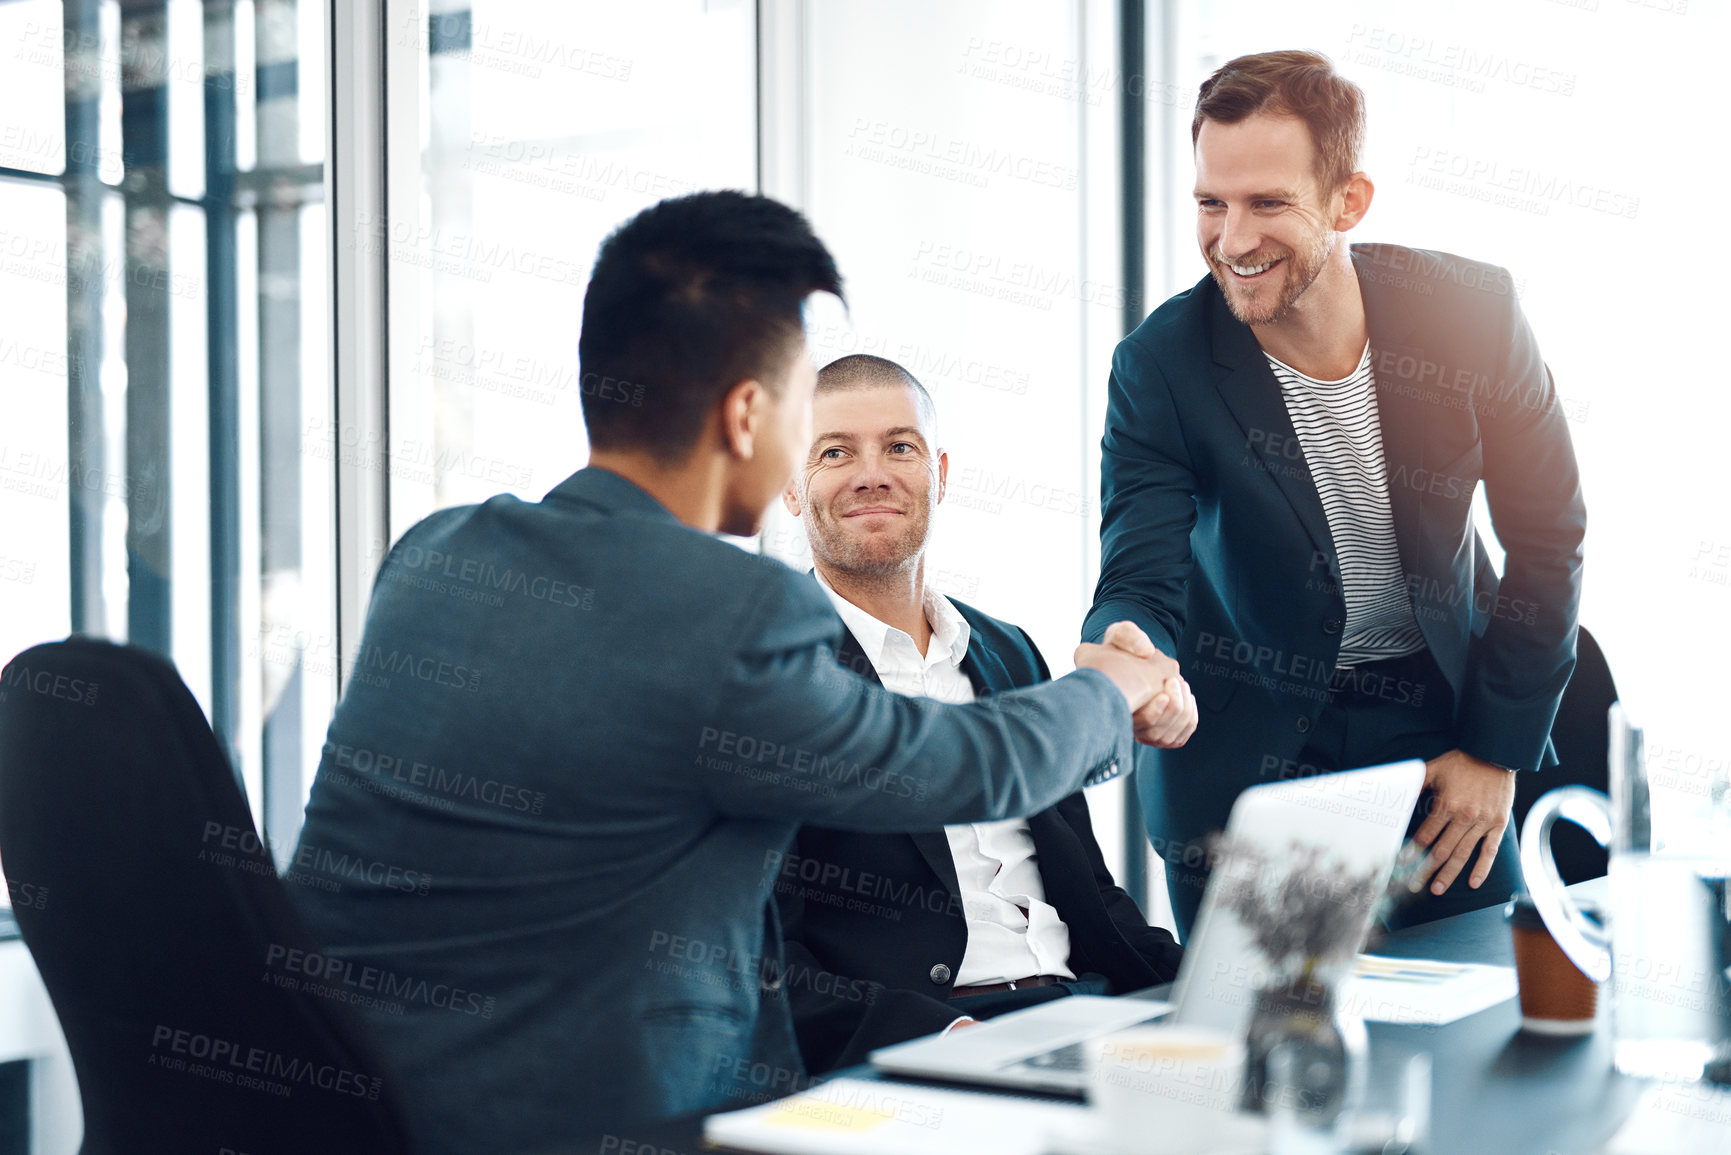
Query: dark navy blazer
(543, 835)
(1214, 541)
(873, 923)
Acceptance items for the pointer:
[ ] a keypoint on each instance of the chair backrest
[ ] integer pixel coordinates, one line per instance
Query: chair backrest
(1582, 737)
(176, 964)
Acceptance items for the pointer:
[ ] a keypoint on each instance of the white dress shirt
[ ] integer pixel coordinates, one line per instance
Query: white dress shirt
(1013, 932)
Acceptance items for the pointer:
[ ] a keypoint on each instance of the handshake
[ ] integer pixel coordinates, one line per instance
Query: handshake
(1161, 705)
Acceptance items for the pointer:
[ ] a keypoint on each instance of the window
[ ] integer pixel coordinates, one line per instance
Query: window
(165, 474)
(545, 127)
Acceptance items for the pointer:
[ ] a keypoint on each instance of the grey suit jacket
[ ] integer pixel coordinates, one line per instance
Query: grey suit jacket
(544, 832)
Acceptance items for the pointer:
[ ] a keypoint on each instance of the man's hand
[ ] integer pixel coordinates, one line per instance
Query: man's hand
(1166, 717)
(1131, 675)
(1169, 718)
(1471, 807)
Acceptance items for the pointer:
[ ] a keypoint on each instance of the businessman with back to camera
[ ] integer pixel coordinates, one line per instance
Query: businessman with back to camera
(1291, 452)
(891, 936)
(539, 847)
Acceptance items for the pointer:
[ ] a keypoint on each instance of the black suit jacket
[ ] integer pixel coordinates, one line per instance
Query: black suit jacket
(1214, 541)
(873, 926)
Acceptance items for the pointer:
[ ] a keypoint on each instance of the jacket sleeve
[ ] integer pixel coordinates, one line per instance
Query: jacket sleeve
(1519, 667)
(1147, 505)
(793, 736)
(839, 1020)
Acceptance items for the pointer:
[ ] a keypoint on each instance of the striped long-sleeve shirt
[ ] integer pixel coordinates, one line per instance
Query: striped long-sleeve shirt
(1336, 423)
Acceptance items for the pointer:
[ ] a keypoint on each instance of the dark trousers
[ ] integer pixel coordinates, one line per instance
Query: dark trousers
(1383, 712)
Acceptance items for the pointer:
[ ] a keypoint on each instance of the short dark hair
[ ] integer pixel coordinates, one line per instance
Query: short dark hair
(1291, 83)
(688, 298)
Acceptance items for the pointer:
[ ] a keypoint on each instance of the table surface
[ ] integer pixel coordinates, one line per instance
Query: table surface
(1495, 1090)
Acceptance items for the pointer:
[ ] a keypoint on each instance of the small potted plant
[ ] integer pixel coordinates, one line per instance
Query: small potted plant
(1303, 909)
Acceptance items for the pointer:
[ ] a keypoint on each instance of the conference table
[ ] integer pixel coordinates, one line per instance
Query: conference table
(1495, 1090)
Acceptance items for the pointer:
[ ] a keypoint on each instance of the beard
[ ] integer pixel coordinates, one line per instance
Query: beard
(1303, 266)
(873, 556)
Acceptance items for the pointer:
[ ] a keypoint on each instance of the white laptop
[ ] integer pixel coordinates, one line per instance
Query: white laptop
(1357, 818)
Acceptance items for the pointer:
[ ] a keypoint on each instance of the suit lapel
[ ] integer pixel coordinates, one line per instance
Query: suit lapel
(849, 655)
(984, 668)
(933, 845)
(1096, 941)
(1060, 862)
(990, 676)
(1399, 370)
(1253, 395)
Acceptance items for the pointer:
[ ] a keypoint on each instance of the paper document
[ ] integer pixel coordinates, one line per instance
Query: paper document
(869, 1117)
(1425, 992)
(1675, 1117)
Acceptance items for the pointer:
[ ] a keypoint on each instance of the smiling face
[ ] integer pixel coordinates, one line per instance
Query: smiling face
(869, 484)
(1266, 228)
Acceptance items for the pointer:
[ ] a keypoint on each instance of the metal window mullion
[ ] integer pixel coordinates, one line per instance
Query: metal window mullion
(85, 261)
(1173, 142)
(283, 425)
(783, 101)
(1133, 88)
(355, 191)
(223, 340)
(144, 137)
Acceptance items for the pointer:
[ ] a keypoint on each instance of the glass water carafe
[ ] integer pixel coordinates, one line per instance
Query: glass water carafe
(1666, 947)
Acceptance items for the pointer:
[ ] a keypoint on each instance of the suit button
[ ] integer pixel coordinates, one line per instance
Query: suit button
(940, 974)
(772, 982)
(1331, 625)
(1302, 725)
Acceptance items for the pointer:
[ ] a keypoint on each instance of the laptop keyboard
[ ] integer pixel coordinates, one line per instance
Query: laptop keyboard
(1068, 1058)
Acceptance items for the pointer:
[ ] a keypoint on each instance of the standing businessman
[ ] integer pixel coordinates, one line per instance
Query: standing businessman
(1291, 451)
(536, 844)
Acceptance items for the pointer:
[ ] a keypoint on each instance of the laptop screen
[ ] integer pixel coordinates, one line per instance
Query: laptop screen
(1300, 871)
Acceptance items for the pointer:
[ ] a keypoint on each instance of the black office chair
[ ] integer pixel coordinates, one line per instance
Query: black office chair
(1581, 735)
(159, 925)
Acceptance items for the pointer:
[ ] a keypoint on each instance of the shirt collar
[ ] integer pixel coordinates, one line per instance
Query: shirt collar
(950, 631)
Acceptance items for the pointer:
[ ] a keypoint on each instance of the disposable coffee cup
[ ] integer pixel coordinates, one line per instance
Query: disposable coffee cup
(1557, 998)
(1177, 1084)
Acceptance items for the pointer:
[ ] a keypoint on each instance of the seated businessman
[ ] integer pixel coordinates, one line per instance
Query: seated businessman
(891, 936)
(577, 728)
